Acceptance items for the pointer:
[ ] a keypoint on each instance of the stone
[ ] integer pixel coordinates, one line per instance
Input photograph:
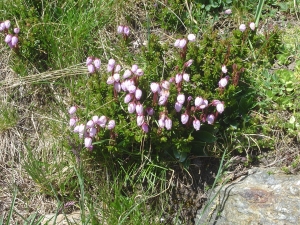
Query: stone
(73, 218)
(264, 196)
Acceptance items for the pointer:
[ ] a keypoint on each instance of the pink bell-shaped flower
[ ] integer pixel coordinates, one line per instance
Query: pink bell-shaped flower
(140, 120)
(161, 123)
(126, 30)
(178, 78)
(145, 127)
(186, 77)
(131, 107)
(120, 29)
(191, 37)
(91, 68)
(224, 69)
(210, 119)
(16, 30)
(242, 27)
(252, 26)
(102, 121)
(178, 106)
(196, 124)
(127, 98)
(154, 87)
(180, 98)
(14, 40)
(93, 132)
(184, 118)
(89, 60)
(168, 123)
(111, 124)
(198, 101)
(110, 80)
(72, 110)
(97, 63)
(138, 94)
(127, 74)
(139, 109)
(88, 142)
(220, 107)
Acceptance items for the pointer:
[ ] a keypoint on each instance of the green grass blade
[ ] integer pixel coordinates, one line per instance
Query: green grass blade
(12, 206)
(258, 11)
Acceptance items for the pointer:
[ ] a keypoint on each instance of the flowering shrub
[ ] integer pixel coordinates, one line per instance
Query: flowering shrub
(202, 90)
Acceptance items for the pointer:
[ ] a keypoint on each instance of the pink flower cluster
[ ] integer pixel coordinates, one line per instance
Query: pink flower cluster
(11, 39)
(243, 27)
(89, 130)
(182, 44)
(124, 30)
(93, 64)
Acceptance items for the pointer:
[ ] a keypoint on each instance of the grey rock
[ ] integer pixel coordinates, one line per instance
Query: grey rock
(265, 196)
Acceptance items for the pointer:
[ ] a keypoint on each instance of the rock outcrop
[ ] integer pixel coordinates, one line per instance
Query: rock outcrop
(265, 196)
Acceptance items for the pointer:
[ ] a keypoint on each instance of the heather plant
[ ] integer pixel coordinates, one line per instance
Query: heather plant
(176, 107)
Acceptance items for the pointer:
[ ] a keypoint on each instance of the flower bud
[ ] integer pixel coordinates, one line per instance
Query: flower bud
(110, 80)
(204, 104)
(223, 82)
(139, 109)
(168, 123)
(252, 26)
(91, 68)
(111, 62)
(116, 77)
(117, 87)
(7, 24)
(162, 100)
(220, 107)
(131, 107)
(180, 98)
(76, 129)
(126, 30)
(102, 121)
(81, 129)
(198, 101)
(117, 68)
(140, 120)
(110, 68)
(72, 110)
(131, 89)
(111, 124)
(139, 72)
(186, 77)
(138, 94)
(184, 118)
(72, 122)
(176, 43)
(178, 106)
(134, 68)
(154, 87)
(178, 78)
(95, 119)
(228, 11)
(161, 123)
(224, 69)
(242, 27)
(188, 63)
(145, 127)
(120, 29)
(127, 74)
(165, 84)
(88, 142)
(93, 132)
(89, 60)
(191, 37)
(196, 124)
(16, 30)
(182, 43)
(2, 26)
(8, 38)
(127, 98)
(90, 124)
(97, 63)
(150, 111)
(210, 119)
(14, 40)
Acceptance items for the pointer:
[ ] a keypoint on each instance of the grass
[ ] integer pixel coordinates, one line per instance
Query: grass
(129, 181)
